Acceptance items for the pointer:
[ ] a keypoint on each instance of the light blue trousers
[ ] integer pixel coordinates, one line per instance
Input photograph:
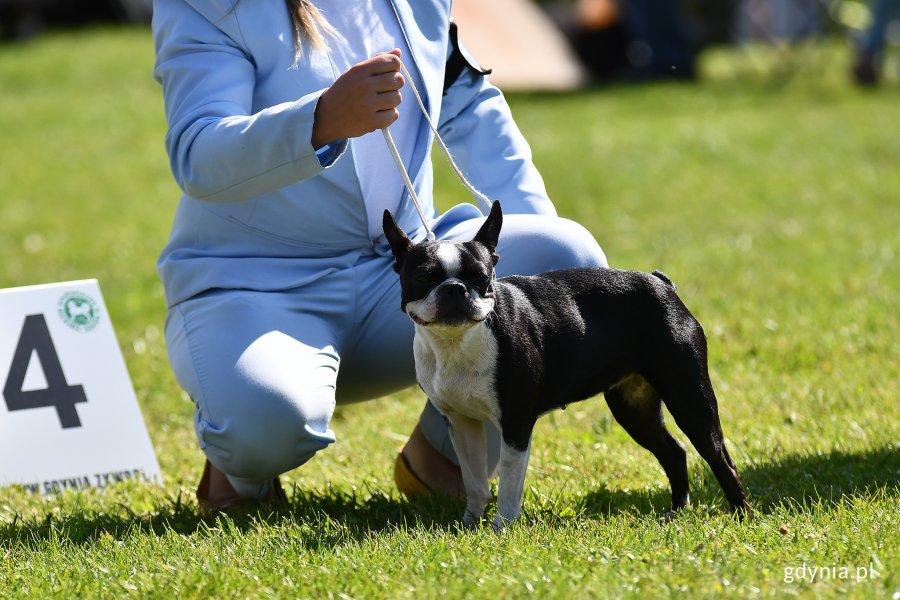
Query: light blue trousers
(265, 369)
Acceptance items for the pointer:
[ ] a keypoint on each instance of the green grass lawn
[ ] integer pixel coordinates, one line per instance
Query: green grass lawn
(773, 202)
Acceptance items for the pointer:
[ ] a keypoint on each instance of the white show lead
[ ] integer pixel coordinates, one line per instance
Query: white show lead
(403, 173)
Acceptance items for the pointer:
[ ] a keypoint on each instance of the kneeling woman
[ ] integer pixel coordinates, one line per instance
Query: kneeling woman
(278, 280)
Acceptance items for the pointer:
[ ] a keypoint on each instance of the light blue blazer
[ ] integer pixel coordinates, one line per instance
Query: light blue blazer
(260, 209)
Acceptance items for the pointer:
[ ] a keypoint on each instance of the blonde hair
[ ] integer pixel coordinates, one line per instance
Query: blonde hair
(309, 25)
(308, 22)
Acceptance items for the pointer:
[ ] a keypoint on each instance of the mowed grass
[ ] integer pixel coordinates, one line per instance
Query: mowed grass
(773, 203)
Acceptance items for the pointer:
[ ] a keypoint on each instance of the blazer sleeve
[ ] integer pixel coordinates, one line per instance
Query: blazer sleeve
(218, 149)
(477, 125)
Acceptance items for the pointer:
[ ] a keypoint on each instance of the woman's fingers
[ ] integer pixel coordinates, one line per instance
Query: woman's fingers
(361, 100)
(386, 82)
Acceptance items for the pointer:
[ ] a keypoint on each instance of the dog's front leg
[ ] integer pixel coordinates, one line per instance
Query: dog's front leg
(471, 449)
(513, 464)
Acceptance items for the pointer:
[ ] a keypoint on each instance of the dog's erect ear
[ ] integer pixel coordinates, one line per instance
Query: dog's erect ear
(398, 240)
(490, 230)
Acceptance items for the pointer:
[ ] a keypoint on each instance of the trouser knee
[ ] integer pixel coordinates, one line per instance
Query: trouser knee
(568, 244)
(269, 436)
(532, 244)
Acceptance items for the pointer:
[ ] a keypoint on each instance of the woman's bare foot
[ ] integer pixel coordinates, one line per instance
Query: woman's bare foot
(430, 467)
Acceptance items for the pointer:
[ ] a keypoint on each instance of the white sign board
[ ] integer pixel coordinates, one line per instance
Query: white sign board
(68, 414)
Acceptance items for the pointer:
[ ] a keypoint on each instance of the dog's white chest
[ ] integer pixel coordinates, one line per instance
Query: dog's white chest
(458, 373)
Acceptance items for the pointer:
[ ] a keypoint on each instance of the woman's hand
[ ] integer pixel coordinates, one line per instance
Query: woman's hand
(363, 99)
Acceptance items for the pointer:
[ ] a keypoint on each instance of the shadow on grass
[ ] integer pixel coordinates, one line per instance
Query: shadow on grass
(332, 517)
(800, 480)
(327, 518)
(824, 476)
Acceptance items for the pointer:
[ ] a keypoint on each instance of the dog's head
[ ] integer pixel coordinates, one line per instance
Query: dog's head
(446, 283)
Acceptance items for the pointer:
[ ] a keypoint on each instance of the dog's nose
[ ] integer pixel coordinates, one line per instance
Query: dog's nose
(452, 289)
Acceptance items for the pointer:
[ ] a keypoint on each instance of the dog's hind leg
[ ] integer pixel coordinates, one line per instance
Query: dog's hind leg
(471, 449)
(702, 427)
(688, 394)
(638, 409)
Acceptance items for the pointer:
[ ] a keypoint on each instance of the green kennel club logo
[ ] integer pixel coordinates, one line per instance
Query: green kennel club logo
(78, 311)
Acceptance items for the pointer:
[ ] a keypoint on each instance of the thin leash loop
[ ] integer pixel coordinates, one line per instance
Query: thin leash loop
(406, 181)
(462, 178)
(402, 168)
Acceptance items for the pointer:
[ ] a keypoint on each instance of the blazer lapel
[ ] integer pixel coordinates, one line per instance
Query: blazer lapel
(425, 25)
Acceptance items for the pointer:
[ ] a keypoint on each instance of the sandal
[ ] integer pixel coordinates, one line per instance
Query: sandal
(407, 481)
(274, 498)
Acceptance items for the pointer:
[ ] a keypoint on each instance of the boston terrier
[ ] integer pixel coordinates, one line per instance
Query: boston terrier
(509, 350)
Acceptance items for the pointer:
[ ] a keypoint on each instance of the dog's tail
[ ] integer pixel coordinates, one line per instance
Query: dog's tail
(665, 279)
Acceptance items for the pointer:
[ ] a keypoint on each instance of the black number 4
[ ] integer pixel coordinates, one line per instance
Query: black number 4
(59, 394)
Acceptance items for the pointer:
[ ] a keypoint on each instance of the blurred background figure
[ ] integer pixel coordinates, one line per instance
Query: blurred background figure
(660, 46)
(635, 40)
(870, 49)
(642, 40)
(557, 45)
(599, 37)
(778, 21)
(22, 19)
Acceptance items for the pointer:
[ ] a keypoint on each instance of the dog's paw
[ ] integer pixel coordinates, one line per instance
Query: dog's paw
(667, 517)
(501, 524)
(744, 513)
(470, 520)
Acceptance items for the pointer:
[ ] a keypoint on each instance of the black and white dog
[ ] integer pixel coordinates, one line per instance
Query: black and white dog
(509, 350)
